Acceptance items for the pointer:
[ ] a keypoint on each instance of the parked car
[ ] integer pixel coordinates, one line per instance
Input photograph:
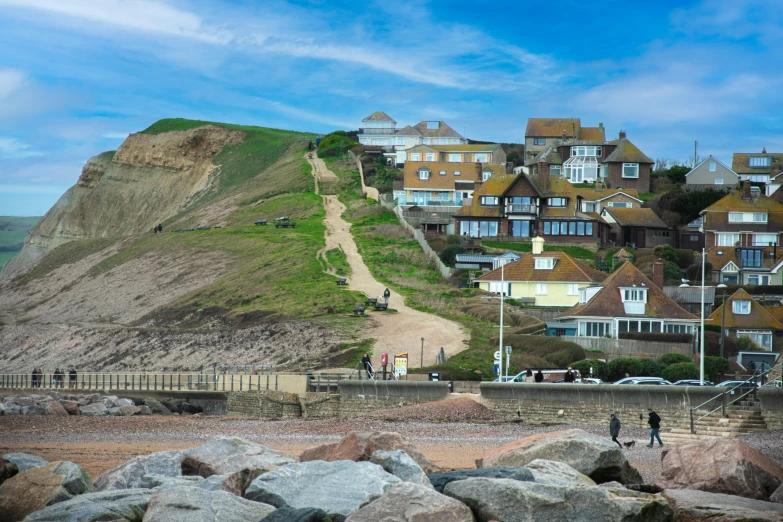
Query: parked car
(648, 381)
(741, 384)
(591, 380)
(693, 382)
(520, 377)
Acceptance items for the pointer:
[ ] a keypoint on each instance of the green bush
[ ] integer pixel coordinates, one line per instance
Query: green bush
(746, 344)
(666, 253)
(335, 144)
(673, 358)
(679, 371)
(600, 368)
(449, 254)
(617, 368)
(693, 272)
(715, 368)
(566, 356)
(671, 272)
(651, 368)
(685, 257)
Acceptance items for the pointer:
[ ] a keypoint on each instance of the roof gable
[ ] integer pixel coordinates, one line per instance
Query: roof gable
(407, 131)
(566, 269)
(758, 317)
(379, 116)
(591, 194)
(711, 158)
(608, 303)
(627, 152)
(634, 217)
(443, 130)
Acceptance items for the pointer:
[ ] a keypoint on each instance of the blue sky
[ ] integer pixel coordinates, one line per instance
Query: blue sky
(76, 76)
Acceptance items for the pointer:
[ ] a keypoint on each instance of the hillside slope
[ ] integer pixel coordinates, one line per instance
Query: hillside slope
(13, 230)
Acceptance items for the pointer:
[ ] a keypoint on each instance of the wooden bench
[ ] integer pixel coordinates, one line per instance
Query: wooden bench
(286, 224)
(381, 306)
(261, 222)
(359, 310)
(371, 301)
(341, 281)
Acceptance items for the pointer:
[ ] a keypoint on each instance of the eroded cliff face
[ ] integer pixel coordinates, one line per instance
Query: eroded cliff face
(151, 178)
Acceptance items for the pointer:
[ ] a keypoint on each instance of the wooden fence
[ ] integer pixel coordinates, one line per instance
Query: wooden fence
(614, 348)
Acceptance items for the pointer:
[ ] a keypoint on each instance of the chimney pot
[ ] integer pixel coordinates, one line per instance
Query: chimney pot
(538, 245)
(600, 125)
(764, 150)
(658, 273)
(622, 134)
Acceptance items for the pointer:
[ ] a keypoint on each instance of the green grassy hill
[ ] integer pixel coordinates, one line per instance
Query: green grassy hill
(13, 230)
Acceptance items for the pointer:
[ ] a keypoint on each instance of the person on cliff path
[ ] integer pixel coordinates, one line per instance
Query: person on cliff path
(614, 429)
(655, 424)
(386, 295)
(539, 376)
(367, 365)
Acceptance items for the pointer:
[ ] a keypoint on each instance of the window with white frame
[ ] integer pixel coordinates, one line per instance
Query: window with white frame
(591, 329)
(573, 288)
(415, 156)
(581, 168)
(556, 202)
(430, 156)
(630, 170)
(443, 141)
(619, 204)
(634, 325)
(635, 295)
(540, 288)
(713, 166)
(679, 328)
(582, 296)
(757, 178)
(719, 181)
(554, 170)
(539, 141)
(747, 217)
(399, 141)
(741, 307)
(485, 175)
(765, 239)
(457, 173)
(588, 207)
(759, 161)
(545, 263)
(757, 279)
(728, 239)
(455, 158)
(489, 200)
(480, 158)
(424, 174)
(761, 338)
(587, 150)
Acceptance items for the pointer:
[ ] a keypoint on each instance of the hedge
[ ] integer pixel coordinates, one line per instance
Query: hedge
(658, 337)
(673, 358)
(680, 371)
(617, 368)
(600, 368)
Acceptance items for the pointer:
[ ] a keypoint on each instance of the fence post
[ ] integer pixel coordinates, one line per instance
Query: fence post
(179, 381)
(275, 382)
(232, 382)
(267, 382)
(692, 430)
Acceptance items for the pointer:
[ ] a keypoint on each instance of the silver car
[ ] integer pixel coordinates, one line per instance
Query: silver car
(648, 381)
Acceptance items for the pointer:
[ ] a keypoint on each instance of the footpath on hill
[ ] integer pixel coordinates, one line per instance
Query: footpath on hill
(393, 332)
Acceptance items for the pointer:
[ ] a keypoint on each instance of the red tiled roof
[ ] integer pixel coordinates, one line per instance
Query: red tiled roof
(552, 127)
(567, 269)
(758, 317)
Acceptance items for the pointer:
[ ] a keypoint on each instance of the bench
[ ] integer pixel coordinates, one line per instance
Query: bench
(371, 301)
(285, 224)
(527, 300)
(381, 306)
(341, 281)
(261, 222)
(359, 310)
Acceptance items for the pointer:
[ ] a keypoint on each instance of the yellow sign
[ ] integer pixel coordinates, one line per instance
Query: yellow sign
(401, 364)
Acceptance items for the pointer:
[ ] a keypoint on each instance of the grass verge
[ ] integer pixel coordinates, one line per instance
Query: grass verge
(573, 251)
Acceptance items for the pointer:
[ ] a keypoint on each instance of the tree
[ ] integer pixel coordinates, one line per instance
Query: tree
(663, 164)
(677, 173)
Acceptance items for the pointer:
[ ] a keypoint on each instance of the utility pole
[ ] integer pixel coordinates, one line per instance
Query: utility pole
(701, 365)
(502, 293)
(695, 146)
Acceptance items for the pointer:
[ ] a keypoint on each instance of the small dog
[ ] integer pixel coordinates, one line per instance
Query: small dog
(629, 445)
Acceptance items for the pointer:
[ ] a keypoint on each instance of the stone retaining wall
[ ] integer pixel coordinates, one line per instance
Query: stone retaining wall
(264, 403)
(772, 407)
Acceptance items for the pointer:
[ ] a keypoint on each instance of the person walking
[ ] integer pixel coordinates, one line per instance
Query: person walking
(655, 424)
(569, 376)
(539, 376)
(367, 365)
(72, 377)
(40, 377)
(614, 429)
(33, 377)
(528, 375)
(386, 296)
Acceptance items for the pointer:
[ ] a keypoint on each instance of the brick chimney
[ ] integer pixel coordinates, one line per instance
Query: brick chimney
(764, 150)
(622, 134)
(746, 190)
(658, 273)
(538, 245)
(478, 170)
(564, 134)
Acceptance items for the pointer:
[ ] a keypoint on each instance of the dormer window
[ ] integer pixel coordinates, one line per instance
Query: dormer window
(585, 151)
(747, 217)
(424, 174)
(545, 263)
(488, 201)
(741, 307)
(557, 202)
(635, 295)
(582, 296)
(486, 175)
(759, 162)
(433, 125)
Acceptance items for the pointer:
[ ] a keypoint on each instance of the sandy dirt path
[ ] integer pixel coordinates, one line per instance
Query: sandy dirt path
(394, 332)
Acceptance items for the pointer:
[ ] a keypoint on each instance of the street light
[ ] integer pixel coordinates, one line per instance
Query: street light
(701, 365)
(722, 317)
(502, 293)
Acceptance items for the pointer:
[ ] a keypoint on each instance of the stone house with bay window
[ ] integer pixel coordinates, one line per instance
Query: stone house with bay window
(541, 132)
(617, 163)
(627, 301)
(750, 265)
(760, 167)
(745, 218)
(745, 317)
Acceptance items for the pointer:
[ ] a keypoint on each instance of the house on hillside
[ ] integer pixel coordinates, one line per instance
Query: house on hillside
(380, 129)
(523, 207)
(626, 301)
(689, 297)
(760, 167)
(691, 236)
(617, 164)
(435, 184)
(744, 218)
(751, 265)
(541, 132)
(745, 317)
(491, 153)
(484, 262)
(593, 199)
(711, 173)
(637, 227)
(541, 278)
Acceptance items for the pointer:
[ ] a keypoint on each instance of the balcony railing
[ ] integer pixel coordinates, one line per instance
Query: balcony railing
(381, 130)
(422, 202)
(524, 209)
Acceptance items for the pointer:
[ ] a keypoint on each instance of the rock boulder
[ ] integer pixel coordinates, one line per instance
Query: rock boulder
(691, 505)
(597, 457)
(157, 407)
(7, 470)
(720, 466)
(339, 487)
(128, 410)
(95, 409)
(298, 515)
(777, 496)
(558, 474)
(399, 464)
(25, 461)
(126, 505)
(197, 505)
(234, 483)
(72, 407)
(131, 474)
(512, 500)
(359, 446)
(37, 488)
(55, 408)
(229, 455)
(407, 502)
(439, 480)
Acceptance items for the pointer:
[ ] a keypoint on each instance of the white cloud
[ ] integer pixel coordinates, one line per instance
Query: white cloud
(12, 148)
(115, 135)
(11, 80)
(136, 15)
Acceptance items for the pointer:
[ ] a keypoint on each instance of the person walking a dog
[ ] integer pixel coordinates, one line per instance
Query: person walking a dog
(655, 424)
(614, 429)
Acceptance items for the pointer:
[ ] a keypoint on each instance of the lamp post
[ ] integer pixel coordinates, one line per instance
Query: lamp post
(421, 361)
(502, 293)
(701, 365)
(722, 318)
